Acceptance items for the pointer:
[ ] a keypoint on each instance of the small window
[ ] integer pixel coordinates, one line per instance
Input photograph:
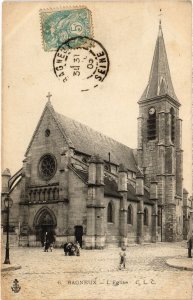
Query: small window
(130, 215)
(47, 132)
(110, 213)
(146, 216)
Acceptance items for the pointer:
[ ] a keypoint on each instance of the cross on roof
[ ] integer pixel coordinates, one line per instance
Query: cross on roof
(49, 96)
(160, 16)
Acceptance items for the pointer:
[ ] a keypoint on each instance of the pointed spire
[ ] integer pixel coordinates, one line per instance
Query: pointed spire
(160, 82)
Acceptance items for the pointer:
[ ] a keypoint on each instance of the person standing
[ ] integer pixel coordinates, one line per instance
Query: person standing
(189, 243)
(122, 255)
(46, 243)
(78, 248)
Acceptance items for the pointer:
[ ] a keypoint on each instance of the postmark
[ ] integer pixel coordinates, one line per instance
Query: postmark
(60, 25)
(85, 66)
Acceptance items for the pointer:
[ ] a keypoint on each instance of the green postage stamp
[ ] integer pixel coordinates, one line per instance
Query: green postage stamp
(61, 25)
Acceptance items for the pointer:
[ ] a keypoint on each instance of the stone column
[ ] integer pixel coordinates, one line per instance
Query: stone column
(154, 198)
(178, 135)
(190, 221)
(140, 207)
(185, 214)
(168, 129)
(179, 172)
(6, 175)
(170, 223)
(99, 204)
(122, 188)
(161, 127)
(90, 227)
(63, 180)
(140, 142)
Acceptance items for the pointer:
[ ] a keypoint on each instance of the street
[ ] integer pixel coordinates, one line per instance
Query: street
(95, 274)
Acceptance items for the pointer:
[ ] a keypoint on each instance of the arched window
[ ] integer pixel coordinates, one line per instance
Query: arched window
(172, 113)
(151, 124)
(110, 213)
(130, 215)
(159, 221)
(145, 216)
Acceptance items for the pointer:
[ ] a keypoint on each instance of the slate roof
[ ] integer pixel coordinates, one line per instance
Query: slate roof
(160, 82)
(90, 142)
(131, 193)
(111, 188)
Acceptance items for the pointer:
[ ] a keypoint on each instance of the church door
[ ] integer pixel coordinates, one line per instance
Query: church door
(79, 234)
(45, 228)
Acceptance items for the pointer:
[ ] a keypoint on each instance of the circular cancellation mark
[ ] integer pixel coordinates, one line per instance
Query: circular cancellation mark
(82, 61)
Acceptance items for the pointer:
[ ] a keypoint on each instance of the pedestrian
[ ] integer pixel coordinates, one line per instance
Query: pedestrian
(47, 246)
(46, 243)
(122, 255)
(78, 248)
(189, 244)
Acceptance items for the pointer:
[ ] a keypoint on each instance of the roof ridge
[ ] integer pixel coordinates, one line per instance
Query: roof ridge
(96, 131)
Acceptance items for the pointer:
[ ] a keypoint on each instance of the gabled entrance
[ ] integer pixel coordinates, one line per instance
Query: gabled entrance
(45, 224)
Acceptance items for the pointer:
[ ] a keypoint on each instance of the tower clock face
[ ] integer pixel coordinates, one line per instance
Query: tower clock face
(151, 111)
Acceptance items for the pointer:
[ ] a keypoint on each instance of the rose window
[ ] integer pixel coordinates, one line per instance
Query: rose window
(47, 166)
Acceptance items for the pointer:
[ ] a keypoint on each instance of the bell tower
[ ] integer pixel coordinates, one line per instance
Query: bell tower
(159, 141)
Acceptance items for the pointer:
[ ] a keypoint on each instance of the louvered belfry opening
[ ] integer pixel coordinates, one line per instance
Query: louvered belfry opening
(151, 127)
(172, 112)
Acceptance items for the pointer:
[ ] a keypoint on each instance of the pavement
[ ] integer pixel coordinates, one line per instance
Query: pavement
(180, 263)
(153, 272)
(9, 267)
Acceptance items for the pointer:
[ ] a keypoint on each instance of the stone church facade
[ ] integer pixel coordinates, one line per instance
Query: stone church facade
(77, 184)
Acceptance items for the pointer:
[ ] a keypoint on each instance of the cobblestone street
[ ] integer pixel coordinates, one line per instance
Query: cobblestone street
(95, 274)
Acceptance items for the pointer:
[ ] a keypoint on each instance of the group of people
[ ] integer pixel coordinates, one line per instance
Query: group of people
(69, 248)
(74, 249)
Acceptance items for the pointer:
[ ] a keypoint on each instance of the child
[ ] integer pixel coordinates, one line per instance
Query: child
(51, 246)
(122, 258)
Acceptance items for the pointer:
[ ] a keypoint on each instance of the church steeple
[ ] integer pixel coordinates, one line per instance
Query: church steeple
(159, 141)
(160, 82)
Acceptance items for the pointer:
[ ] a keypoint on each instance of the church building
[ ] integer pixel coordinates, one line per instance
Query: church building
(77, 184)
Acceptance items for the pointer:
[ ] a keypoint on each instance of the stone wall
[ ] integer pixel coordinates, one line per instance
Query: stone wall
(42, 144)
(112, 230)
(77, 196)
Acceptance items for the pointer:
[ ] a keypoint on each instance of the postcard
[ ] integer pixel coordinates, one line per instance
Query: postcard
(96, 150)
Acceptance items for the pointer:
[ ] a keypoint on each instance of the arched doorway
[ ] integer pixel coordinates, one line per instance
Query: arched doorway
(45, 224)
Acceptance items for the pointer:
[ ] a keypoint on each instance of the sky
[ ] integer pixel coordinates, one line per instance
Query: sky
(128, 32)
